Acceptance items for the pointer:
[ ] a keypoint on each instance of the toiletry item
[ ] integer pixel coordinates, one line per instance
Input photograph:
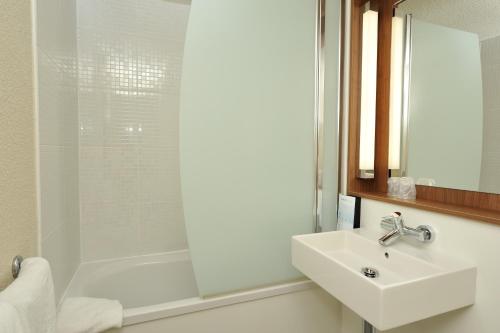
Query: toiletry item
(31, 294)
(393, 186)
(426, 182)
(348, 212)
(407, 189)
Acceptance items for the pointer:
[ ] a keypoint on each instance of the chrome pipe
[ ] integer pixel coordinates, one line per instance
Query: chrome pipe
(319, 111)
(405, 119)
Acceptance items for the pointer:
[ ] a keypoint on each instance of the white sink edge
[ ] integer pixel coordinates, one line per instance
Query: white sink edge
(363, 234)
(392, 285)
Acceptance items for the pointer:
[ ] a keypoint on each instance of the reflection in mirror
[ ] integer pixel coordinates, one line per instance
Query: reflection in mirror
(451, 93)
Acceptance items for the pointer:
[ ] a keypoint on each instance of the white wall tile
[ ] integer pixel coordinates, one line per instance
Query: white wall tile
(161, 227)
(110, 239)
(52, 189)
(130, 61)
(59, 187)
(49, 25)
(58, 138)
(61, 250)
(57, 98)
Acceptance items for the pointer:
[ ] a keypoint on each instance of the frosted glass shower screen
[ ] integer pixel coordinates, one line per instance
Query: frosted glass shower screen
(247, 139)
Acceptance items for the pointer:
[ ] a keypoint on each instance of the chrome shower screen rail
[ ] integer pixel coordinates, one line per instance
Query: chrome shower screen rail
(319, 110)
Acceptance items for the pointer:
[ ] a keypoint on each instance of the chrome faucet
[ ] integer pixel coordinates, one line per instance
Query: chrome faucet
(395, 224)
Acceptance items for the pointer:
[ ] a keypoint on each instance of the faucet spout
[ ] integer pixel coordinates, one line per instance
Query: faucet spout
(389, 238)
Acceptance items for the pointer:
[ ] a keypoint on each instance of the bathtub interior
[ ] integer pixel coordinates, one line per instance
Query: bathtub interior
(137, 281)
(157, 286)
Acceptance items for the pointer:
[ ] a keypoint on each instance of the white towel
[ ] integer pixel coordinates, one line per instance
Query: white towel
(89, 315)
(31, 296)
(9, 319)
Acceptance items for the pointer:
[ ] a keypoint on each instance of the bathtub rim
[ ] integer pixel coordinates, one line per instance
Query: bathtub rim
(147, 313)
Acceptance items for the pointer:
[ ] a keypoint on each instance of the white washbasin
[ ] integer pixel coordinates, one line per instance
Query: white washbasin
(408, 288)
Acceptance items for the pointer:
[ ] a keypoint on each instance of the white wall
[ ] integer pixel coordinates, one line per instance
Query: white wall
(490, 167)
(130, 55)
(58, 137)
(478, 16)
(473, 241)
(309, 311)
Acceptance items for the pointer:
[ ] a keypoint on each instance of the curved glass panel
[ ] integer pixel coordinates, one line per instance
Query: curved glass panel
(247, 139)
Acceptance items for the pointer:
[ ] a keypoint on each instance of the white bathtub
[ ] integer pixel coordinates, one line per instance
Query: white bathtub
(159, 286)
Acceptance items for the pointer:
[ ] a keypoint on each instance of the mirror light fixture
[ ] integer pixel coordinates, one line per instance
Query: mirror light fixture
(396, 98)
(368, 94)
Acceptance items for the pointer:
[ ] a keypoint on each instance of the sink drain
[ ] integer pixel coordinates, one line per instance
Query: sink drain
(369, 272)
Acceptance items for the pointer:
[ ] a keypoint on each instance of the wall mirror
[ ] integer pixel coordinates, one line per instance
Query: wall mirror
(436, 98)
(451, 93)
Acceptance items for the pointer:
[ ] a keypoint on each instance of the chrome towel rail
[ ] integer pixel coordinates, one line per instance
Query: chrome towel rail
(16, 266)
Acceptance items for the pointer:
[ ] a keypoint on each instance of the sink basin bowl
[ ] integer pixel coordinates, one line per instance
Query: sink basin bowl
(398, 288)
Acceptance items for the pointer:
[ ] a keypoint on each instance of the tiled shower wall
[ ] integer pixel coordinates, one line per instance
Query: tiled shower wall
(58, 137)
(130, 59)
(490, 61)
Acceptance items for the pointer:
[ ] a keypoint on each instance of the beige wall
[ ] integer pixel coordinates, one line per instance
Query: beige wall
(18, 226)
(473, 241)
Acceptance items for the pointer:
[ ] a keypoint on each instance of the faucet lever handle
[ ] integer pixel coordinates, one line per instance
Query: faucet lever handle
(388, 218)
(387, 223)
(393, 221)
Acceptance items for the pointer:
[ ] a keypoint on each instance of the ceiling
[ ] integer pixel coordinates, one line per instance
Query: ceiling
(478, 16)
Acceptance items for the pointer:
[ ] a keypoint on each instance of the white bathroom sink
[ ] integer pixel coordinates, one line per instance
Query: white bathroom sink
(409, 286)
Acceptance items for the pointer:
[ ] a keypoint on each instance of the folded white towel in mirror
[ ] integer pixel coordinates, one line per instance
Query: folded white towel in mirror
(89, 315)
(28, 304)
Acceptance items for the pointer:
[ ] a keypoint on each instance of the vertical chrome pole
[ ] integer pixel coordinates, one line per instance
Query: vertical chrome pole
(319, 110)
(344, 109)
(405, 119)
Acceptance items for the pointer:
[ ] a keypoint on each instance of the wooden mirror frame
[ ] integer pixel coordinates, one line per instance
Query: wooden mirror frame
(469, 204)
